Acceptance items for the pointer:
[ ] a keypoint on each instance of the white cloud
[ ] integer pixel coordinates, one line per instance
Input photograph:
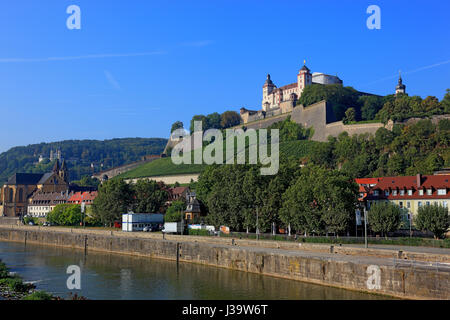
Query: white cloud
(112, 80)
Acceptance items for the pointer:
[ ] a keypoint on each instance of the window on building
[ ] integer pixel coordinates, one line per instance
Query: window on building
(442, 192)
(419, 203)
(394, 192)
(408, 204)
(444, 203)
(428, 203)
(402, 192)
(429, 192)
(386, 193)
(375, 193)
(409, 192)
(400, 204)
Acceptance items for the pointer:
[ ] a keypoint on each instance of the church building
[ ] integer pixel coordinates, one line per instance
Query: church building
(14, 194)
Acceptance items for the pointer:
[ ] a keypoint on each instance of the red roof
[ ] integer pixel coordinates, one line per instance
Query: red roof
(414, 184)
(368, 181)
(79, 197)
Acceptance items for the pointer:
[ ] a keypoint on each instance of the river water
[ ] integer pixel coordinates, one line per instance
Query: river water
(113, 276)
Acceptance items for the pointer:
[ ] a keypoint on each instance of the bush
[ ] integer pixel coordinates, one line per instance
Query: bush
(4, 271)
(433, 218)
(198, 232)
(16, 284)
(38, 295)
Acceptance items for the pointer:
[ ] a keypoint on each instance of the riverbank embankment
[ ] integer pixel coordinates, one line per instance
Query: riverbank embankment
(375, 270)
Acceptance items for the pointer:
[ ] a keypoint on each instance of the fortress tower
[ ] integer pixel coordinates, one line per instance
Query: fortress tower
(400, 88)
(304, 78)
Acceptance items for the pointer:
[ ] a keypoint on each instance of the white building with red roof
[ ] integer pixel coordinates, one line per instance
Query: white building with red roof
(408, 192)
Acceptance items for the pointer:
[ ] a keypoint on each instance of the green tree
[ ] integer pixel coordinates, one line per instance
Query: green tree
(370, 105)
(319, 201)
(198, 117)
(350, 115)
(175, 212)
(149, 196)
(229, 119)
(65, 215)
(446, 102)
(176, 125)
(433, 218)
(384, 217)
(87, 181)
(115, 197)
(213, 121)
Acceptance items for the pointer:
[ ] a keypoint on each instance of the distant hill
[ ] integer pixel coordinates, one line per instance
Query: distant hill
(79, 155)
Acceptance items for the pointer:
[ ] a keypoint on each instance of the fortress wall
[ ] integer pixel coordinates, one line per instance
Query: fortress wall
(314, 116)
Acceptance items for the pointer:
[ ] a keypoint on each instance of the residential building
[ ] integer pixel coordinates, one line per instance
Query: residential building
(408, 192)
(42, 203)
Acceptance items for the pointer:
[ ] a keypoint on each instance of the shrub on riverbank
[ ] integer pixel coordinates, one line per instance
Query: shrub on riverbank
(38, 295)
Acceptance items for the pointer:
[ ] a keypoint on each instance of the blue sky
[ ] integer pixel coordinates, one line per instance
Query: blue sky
(137, 66)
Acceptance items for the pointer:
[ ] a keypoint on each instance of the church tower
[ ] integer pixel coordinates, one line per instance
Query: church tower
(304, 78)
(400, 88)
(63, 172)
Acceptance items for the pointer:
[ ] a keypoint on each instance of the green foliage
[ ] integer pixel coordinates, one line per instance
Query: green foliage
(28, 219)
(65, 215)
(340, 98)
(176, 125)
(15, 284)
(175, 212)
(370, 105)
(149, 196)
(198, 232)
(421, 147)
(350, 116)
(115, 197)
(79, 155)
(290, 130)
(87, 181)
(404, 107)
(433, 218)
(384, 217)
(229, 119)
(161, 167)
(39, 295)
(4, 271)
(319, 200)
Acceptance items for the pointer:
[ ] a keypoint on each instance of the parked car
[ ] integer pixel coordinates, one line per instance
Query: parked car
(31, 223)
(151, 228)
(46, 224)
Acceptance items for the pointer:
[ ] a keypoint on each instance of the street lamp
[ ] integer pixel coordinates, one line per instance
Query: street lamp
(365, 227)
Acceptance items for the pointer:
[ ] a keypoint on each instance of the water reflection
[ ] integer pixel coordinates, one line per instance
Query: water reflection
(112, 276)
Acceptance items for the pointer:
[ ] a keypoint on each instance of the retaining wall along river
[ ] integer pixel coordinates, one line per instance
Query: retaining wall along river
(362, 273)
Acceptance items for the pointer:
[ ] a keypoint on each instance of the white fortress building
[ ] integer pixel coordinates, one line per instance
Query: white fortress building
(273, 96)
(276, 101)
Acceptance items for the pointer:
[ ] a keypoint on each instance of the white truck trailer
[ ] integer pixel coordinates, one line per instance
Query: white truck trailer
(138, 221)
(173, 227)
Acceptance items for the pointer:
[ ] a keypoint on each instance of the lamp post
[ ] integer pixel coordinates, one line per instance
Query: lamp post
(365, 227)
(257, 224)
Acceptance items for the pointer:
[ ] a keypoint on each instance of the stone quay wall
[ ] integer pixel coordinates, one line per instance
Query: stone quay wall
(368, 274)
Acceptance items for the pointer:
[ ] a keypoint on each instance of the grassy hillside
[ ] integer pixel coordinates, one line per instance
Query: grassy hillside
(165, 166)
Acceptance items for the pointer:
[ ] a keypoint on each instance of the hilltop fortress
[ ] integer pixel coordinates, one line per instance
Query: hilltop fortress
(279, 103)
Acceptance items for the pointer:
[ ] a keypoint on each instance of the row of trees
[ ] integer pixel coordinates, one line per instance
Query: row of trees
(308, 200)
(387, 217)
(312, 200)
